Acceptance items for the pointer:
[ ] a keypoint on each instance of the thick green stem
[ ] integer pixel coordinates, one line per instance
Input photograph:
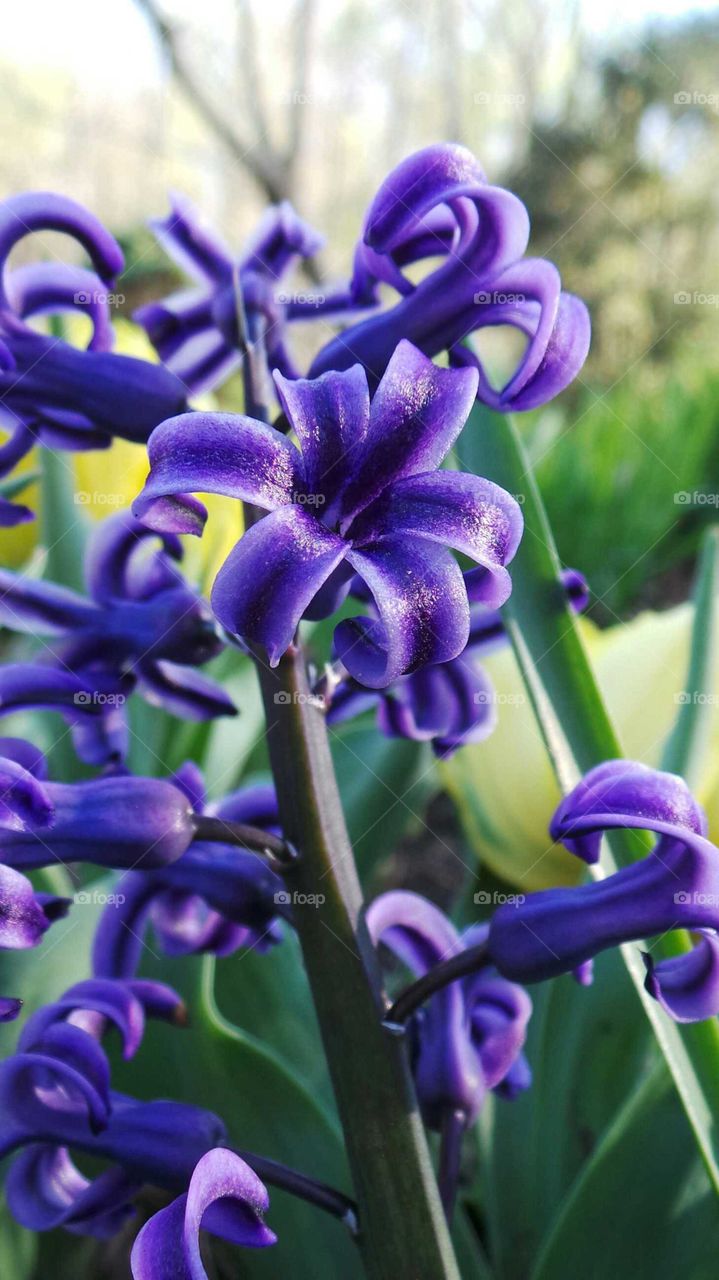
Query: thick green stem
(403, 1234)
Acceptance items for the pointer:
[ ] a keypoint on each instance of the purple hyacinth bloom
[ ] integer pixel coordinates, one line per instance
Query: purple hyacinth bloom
(225, 1197)
(196, 332)
(470, 1034)
(115, 821)
(675, 886)
(50, 391)
(438, 203)
(55, 1097)
(450, 704)
(214, 898)
(142, 626)
(362, 497)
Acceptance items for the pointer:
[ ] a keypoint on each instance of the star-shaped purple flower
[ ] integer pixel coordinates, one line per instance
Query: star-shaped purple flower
(362, 495)
(195, 332)
(438, 203)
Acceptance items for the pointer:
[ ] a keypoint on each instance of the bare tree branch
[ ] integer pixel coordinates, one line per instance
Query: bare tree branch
(269, 172)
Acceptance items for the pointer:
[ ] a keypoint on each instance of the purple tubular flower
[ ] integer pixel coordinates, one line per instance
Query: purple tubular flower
(49, 390)
(196, 332)
(55, 1094)
(438, 202)
(225, 1197)
(363, 496)
(470, 1034)
(450, 704)
(215, 898)
(142, 626)
(116, 821)
(675, 886)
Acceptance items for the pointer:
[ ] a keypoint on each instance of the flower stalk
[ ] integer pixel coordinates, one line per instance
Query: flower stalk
(402, 1229)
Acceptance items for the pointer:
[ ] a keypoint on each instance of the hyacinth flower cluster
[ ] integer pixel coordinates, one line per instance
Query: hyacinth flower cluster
(141, 627)
(55, 1098)
(352, 509)
(51, 392)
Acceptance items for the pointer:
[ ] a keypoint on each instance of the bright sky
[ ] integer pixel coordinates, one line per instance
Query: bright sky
(108, 41)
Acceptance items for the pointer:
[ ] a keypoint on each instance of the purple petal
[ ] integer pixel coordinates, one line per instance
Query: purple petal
(48, 287)
(622, 793)
(10, 1007)
(33, 606)
(24, 801)
(442, 174)
(225, 1197)
(44, 211)
(422, 603)
(563, 357)
(46, 1190)
(687, 986)
(187, 238)
(184, 692)
(462, 511)
(416, 415)
(215, 453)
(22, 919)
(271, 576)
(111, 551)
(330, 416)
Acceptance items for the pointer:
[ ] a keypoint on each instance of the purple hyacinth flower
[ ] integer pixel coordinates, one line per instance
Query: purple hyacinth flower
(50, 391)
(675, 886)
(224, 1197)
(363, 496)
(196, 332)
(141, 626)
(451, 704)
(115, 821)
(216, 898)
(55, 1096)
(470, 1034)
(438, 203)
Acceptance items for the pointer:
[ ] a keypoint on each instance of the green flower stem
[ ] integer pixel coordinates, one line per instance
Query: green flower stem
(403, 1234)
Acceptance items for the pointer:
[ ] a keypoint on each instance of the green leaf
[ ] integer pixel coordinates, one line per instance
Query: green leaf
(587, 1047)
(579, 735)
(385, 784)
(686, 746)
(63, 523)
(673, 1188)
(18, 1247)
